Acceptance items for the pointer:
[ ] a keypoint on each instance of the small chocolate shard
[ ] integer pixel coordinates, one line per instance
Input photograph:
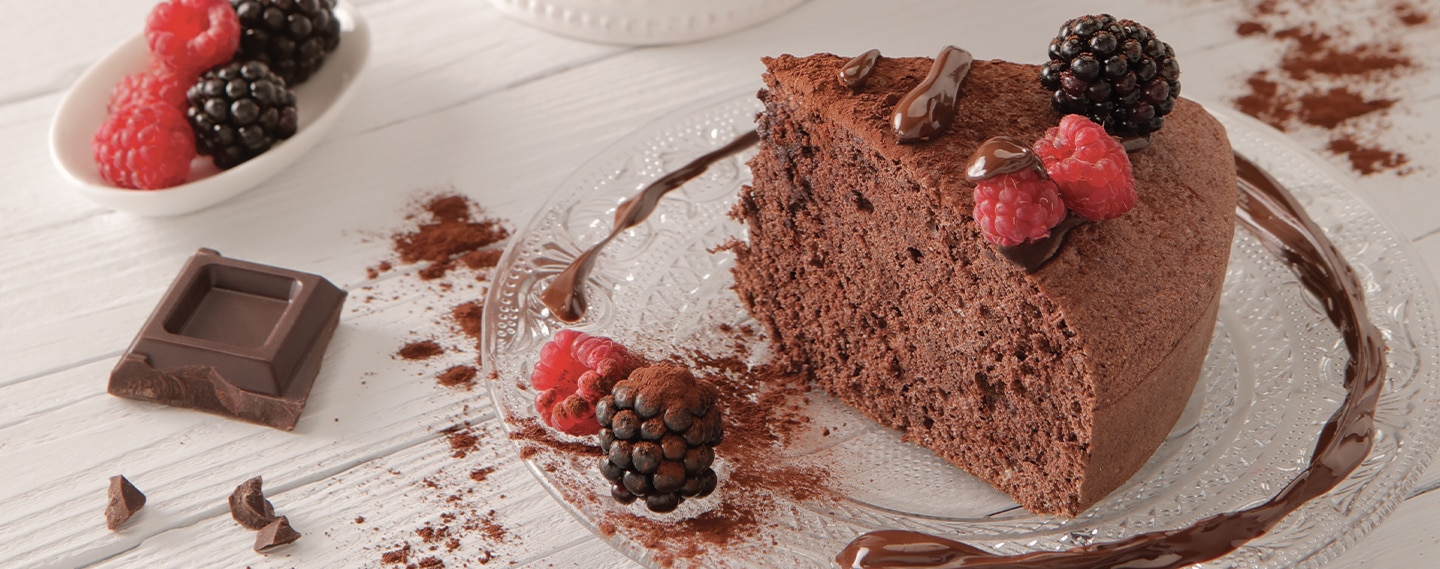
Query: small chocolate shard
(249, 507)
(275, 534)
(124, 500)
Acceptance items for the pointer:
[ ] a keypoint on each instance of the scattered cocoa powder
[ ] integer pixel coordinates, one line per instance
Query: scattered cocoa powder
(399, 555)
(458, 376)
(421, 350)
(469, 316)
(429, 563)
(486, 259)
(462, 442)
(359, 519)
(479, 475)
(1341, 72)
(451, 233)
(530, 430)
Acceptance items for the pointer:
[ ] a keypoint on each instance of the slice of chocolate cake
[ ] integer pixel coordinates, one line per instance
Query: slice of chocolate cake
(865, 264)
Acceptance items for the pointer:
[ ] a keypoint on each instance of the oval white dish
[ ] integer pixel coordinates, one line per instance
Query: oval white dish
(319, 101)
(643, 22)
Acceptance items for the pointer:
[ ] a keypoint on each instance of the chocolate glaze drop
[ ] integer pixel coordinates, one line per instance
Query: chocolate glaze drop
(929, 108)
(1001, 155)
(1031, 255)
(854, 73)
(1274, 216)
(565, 296)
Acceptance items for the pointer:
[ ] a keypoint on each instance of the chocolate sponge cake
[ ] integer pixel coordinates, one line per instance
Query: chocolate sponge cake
(865, 264)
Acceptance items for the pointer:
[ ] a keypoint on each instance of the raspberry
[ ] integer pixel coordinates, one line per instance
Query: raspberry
(1017, 207)
(659, 430)
(1090, 167)
(158, 84)
(190, 36)
(146, 146)
(574, 371)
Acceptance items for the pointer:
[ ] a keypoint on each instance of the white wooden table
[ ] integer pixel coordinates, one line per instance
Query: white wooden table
(457, 96)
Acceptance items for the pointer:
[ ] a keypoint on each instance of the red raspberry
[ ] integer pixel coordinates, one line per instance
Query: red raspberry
(1017, 207)
(190, 36)
(158, 84)
(146, 146)
(574, 371)
(1090, 166)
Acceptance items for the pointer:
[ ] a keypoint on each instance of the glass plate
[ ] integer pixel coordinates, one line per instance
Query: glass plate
(1272, 377)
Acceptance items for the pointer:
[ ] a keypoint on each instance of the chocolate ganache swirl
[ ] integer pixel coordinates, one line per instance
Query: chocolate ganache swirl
(564, 296)
(1273, 215)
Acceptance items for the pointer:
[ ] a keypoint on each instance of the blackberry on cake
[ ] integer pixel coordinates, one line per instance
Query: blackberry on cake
(1117, 72)
(238, 111)
(659, 428)
(291, 36)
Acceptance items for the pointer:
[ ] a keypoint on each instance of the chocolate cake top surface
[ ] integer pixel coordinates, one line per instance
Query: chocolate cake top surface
(1160, 261)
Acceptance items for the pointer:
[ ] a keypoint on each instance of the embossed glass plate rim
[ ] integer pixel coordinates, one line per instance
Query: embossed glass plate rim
(1411, 465)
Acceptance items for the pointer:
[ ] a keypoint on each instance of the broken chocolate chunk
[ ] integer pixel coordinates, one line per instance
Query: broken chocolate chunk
(233, 338)
(274, 535)
(249, 507)
(125, 500)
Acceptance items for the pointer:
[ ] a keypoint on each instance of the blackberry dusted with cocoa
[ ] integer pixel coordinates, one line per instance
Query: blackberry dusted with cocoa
(1117, 72)
(659, 428)
(291, 36)
(239, 110)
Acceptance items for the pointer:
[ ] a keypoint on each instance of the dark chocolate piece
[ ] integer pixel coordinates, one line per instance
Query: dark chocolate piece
(929, 108)
(124, 500)
(564, 295)
(857, 70)
(249, 507)
(275, 534)
(233, 338)
(1276, 218)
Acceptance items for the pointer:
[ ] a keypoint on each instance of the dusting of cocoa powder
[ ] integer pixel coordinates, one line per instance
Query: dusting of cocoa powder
(1341, 72)
(450, 234)
(458, 376)
(421, 350)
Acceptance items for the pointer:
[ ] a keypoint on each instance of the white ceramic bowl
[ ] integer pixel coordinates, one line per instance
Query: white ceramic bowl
(643, 22)
(319, 103)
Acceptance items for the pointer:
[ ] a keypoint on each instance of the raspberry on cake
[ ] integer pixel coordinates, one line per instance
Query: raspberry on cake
(867, 264)
(1091, 168)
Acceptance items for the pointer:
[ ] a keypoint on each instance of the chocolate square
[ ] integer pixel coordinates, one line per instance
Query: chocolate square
(233, 338)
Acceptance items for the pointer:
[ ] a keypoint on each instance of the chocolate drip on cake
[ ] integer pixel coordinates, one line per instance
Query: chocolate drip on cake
(857, 70)
(929, 108)
(1274, 216)
(564, 296)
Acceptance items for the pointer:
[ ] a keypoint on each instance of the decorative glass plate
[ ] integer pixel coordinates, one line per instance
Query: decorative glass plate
(1272, 377)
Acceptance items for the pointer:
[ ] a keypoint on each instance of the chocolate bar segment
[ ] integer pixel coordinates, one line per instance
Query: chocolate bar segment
(233, 338)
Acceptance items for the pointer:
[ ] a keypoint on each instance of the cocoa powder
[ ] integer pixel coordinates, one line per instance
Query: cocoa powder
(1342, 72)
(421, 350)
(450, 234)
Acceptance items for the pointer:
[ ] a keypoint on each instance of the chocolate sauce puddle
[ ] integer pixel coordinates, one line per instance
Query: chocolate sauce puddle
(1274, 216)
(564, 296)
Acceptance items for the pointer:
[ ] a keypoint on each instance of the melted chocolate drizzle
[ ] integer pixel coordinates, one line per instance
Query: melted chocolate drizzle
(854, 73)
(929, 108)
(1031, 255)
(1002, 155)
(1274, 216)
(564, 296)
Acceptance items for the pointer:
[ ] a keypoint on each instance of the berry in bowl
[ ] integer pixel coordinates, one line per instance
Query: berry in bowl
(215, 97)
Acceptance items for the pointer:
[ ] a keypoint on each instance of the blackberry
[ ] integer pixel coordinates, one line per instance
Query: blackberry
(238, 111)
(659, 428)
(1116, 72)
(291, 36)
